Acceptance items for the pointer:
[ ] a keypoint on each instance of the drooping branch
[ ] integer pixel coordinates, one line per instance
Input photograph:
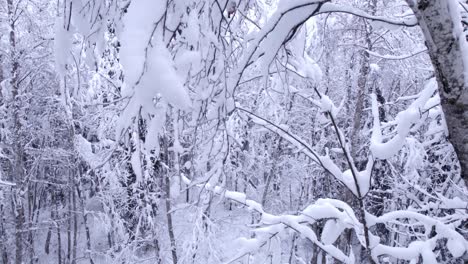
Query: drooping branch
(334, 8)
(324, 161)
(397, 57)
(289, 18)
(7, 183)
(322, 209)
(336, 210)
(277, 29)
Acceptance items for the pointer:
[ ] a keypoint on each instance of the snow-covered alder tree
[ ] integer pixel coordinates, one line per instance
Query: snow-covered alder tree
(233, 131)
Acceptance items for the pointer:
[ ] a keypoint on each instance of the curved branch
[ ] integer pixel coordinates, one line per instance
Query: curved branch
(333, 8)
(324, 161)
(270, 28)
(7, 183)
(325, 208)
(397, 57)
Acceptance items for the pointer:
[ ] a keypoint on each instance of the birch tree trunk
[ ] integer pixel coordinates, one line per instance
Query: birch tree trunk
(444, 42)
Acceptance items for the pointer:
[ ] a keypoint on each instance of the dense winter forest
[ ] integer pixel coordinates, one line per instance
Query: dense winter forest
(233, 131)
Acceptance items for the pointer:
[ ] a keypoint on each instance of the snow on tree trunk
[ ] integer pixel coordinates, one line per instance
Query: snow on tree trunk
(440, 23)
(15, 105)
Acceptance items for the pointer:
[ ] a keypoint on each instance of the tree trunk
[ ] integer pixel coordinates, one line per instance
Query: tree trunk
(85, 223)
(75, 224)
(3, 237)
(440, 28)
(56, 219)
(166, 184)
(18, 193)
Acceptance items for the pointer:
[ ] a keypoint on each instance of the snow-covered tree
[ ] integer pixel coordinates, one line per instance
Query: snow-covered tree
(233, 131)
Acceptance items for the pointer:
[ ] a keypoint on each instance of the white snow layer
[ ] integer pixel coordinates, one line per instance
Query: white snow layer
(340, 216)
(62, 46)
(147, 62)
(85, 149)
(460, 35)
(404, 120)
(148, 65)
(7, 183)
(269, 39)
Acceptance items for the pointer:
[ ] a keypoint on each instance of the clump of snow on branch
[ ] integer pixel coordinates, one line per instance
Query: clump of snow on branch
(340, 216)
(326, 105)
(267, 41)
(460, 35)
(150, 74)
(62, 47)
(404, 120)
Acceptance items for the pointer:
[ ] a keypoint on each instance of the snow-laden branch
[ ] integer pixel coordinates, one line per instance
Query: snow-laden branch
(346, 177)
(334, 210)
(397, 57)
(340, 216)
(357, 181)
(324, 161)
(456, 243)
(335, 8)
(288, 16)
(267, 41)
(404, 119)
(6, 183)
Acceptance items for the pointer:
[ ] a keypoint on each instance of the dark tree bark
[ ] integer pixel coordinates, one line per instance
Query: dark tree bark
(14, 105)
